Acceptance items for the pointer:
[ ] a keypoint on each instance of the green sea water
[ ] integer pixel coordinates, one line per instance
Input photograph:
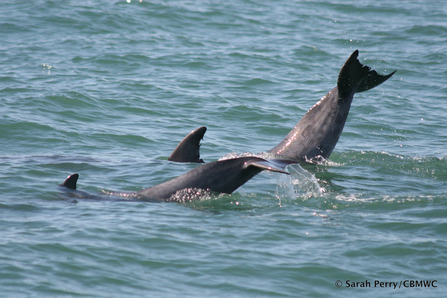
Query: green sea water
(107, 89)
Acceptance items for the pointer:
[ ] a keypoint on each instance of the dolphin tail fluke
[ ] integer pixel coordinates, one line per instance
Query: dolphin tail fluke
(188, 150)
(355, 77)
(274, 165)
(372, 80)
(70, 182)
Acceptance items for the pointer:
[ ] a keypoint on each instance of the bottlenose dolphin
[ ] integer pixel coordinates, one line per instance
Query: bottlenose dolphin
(314, 137)
(224, 176)
(317, 133)
(188, 150)
(70, 185)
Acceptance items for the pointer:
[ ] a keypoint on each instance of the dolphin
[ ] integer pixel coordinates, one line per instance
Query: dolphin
(188, 150)
(224, 176)
(70, 185)
(316, 134)
(71, 181)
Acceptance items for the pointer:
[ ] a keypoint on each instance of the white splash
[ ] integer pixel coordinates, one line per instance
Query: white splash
(299, 184)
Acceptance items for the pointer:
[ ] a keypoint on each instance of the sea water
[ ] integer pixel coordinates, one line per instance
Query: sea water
(107, 89)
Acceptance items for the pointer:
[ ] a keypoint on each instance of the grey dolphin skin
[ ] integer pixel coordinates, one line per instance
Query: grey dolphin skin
(71, 181)
(188, 150)
(317, 133)
(223, 176)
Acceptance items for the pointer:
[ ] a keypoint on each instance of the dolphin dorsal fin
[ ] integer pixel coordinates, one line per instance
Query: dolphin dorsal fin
(188, 150)
(70, 182)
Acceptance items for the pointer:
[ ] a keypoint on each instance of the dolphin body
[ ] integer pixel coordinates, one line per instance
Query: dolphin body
(223, 176)
(69, 185)
(316, 134)
(188, 150)
(314, 137)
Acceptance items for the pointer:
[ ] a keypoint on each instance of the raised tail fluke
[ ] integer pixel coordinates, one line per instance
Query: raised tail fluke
(372, 80)
(314, 137)
(188, 150)
(71, 181)
(355, 77)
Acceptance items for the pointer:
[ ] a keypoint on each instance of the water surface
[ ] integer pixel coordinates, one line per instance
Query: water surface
(107, 89)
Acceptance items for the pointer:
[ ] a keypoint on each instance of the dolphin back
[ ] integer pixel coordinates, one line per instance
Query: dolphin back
(223, 176)
(188, 150)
